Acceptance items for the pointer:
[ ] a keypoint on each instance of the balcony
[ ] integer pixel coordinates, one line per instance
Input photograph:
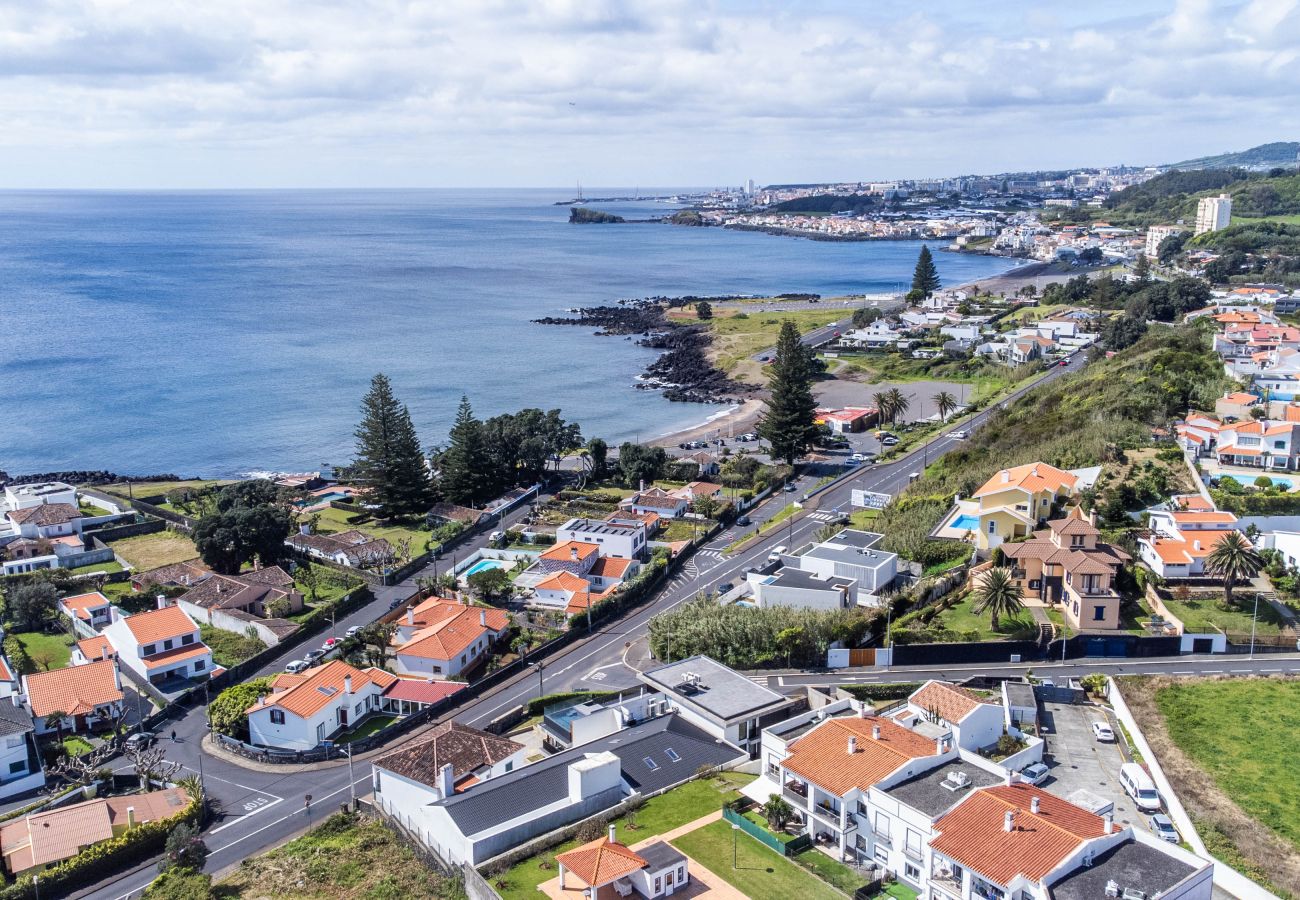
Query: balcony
(796, 792)
(949, 883)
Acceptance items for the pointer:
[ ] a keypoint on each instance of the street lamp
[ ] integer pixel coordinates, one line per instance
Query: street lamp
(735, 839)
(540, 665)
(1253, 619)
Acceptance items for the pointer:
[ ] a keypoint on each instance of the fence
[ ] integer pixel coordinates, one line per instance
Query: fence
(102, 536)
(185, 522)
(765, 837)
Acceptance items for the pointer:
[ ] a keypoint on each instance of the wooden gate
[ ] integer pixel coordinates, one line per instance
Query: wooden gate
(865, 657)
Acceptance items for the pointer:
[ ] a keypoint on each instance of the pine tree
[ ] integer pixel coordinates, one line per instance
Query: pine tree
(389, 461)
(465, 465)
(789, 420)
(925, 280)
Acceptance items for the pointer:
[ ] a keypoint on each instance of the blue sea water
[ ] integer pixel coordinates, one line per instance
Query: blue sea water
(216, 333)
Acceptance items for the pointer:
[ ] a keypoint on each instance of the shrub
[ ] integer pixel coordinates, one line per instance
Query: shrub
(180, 885)
(227, 710)
(881, 691)
(538, 704)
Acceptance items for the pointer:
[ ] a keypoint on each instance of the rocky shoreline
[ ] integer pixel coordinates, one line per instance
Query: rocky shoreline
(683, 371)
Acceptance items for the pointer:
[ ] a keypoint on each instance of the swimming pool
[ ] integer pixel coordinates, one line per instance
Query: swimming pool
(484, 564)
(1249, 480)
(323, 498)
(966, 522)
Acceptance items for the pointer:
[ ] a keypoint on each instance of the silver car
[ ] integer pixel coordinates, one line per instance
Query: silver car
(1163, 827)
(1035, 774)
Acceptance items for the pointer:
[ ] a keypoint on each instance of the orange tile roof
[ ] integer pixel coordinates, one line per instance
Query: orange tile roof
(1292, 412)
(707, 488)
(974, 833)
(1190, 516)
(75, 691)
(160, 624)
(1192, 501)
(175, 655)
(6, 673)
(80, 605)
(320, 686)
(822, 756)
(94, 648)
(611, 567)
(600, 862)
(564, 551)
(1030, 477)
(1241, 397)
(564, 581)
(951, 702)
(449, 637)
(579, 602)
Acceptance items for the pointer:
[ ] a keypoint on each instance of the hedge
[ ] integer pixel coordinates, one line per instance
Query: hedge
(538, 704)
(881, 691)
(93, 863)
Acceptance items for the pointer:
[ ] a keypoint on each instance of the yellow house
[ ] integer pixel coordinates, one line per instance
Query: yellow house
(1014, 501)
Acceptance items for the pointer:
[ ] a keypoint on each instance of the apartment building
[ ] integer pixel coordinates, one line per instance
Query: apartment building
(1213, 213)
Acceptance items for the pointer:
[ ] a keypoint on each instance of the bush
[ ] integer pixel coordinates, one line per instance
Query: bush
(538, 704)
(179, 885)
(227, 710)
(881, 691)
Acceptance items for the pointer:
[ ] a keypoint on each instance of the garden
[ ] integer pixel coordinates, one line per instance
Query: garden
(150, 551)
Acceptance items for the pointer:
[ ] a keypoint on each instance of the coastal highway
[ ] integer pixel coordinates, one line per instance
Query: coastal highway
(264, 806)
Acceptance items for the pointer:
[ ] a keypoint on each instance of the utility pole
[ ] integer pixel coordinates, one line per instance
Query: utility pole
(352, 781)
(1253, 619)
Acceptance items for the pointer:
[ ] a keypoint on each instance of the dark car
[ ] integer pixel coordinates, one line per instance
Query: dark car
(395, 604)
(725, 587)
(742, 521)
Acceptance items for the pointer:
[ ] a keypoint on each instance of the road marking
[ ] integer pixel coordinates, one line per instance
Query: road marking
(260, 807)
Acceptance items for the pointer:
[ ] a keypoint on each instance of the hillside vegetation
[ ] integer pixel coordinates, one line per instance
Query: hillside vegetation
(1173, 195)
(1277, 153)
(1083, 419)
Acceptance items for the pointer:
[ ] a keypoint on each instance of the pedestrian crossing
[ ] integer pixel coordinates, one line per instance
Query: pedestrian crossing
(824, 516)
(709, 554)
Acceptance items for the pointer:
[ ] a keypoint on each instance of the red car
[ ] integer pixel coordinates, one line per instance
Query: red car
(1065, 362)
(329, 644)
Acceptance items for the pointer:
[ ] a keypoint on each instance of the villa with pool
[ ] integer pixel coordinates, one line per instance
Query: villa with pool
(1013, 504)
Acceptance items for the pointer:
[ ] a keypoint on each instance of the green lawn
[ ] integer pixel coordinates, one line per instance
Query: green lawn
(111, 566)
(682, 530)
(961, 617)
(74, 745)
(228, 647)
(46, 651)
(1205, 616)
(365, 729)
(1286, 220)
(149, 551)
(334, 520)
(89, 509)
(828, 870)
(758, 873)
(737, 339)
(663, 813)
(1242, 733)
(756, 817)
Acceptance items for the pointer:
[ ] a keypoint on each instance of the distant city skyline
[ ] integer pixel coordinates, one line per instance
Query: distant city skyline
(257, 94)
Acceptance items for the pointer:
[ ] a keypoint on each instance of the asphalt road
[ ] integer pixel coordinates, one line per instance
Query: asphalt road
(263, 809)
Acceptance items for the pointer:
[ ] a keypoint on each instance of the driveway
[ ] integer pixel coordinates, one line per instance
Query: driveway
(1080, 762)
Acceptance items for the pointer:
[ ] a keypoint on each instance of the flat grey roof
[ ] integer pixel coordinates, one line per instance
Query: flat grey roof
(798, 578)
(1130, 865)
(596, 526)
(660, 855)
(926, 793)
(863, 540)
(722, 692)
(1020, 694)
(534, 786)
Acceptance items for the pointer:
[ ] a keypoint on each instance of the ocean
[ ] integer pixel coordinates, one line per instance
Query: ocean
(217, 333)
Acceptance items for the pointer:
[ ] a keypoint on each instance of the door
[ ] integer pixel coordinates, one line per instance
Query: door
(1202, 645)
(343, 716)
(865, 657)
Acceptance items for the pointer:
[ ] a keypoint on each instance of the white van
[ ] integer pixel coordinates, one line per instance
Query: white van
(1138, 785)
(775, 555)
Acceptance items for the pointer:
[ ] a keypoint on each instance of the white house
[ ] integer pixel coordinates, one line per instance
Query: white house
(655, 870)
(656, 500)
(305, 709)
(160, 644)
(803, 590)
(1181, 539)
(624, 541)
(443, 638)
(975, 722)
(850, 554)
(91, 609)
(20, 761)
(450, 760)
(25, 496)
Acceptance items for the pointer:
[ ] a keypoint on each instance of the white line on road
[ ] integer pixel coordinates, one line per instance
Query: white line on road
(247, 815)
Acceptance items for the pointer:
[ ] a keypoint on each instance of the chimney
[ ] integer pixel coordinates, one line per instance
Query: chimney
(573, 553)
(410, 615)
(1033, 805)
(1006, 476)
(875, 732)
(1009, 821)
(1196, 545)
(162, 601)
(613, 836)
(864, 709)
(482, 617)
(1109, 820)
(1008, 778)
(641, 484)
(446, 781)
(853, 744)
(130, 817)
(347, 684)
(940, 746)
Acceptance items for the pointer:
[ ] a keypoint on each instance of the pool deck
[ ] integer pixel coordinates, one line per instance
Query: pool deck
(1214, 470)
(946, 529)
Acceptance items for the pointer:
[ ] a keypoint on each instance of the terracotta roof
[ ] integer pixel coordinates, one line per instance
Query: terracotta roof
(322, 685)
(76, 690)
(1030, 477)
(94, 648)
(175, 655)
(563, 581)
(417, 690)
(430, 611)
(600, 862)
(6, 673)
(579, 602)
(822, 756)
(974, 833)
(45, 514)
(951, 702)
(1189, 516)
(181, 573)
(81, 604)
(696, 488)
(1073, 522)
(1240, 397)
(564, 551)
(159, 624)
(1192, 501)
(611, 567)
(450, 636)
(465, 749)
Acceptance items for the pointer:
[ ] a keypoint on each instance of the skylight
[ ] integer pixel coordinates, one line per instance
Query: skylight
(651, 764)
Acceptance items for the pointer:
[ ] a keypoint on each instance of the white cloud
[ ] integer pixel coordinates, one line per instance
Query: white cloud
(266, 92)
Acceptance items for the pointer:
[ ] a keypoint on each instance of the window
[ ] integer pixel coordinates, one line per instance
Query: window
(1076, 540)
(993, 527)
(187, 640)
(148, 649)
(167, 644)
(277, 717)
(16, 768)
(320, 732)
(510, 766)
(911, 872)
(659, 884)
(672, 754)
(881, 855)
(358, 708)
(651, 764)
(198, 665)
(437, 670)
(912, 847)
(1098, 613)
(13, 740)
(882, 825)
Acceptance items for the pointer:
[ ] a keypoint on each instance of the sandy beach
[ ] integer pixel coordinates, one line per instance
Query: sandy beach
(729, 423)
(1039, 274)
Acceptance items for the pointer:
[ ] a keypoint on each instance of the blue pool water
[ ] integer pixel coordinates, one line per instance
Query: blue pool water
(1249, 480)
(323, 498)
(966, 522)
(483, 565)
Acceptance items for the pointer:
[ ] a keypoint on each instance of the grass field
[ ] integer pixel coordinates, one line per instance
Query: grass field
(343, 859)
(111, 566)
(366, 728)
(1204, 615)
(736, 338)
(758, 873)
(155, 488)
(334, 520)
(228, 648)
(962, 617)
(663, 813)
(149, 551)
(46, 651)
(1286, 220)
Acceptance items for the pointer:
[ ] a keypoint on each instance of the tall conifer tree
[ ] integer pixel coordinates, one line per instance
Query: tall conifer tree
(925, 279)
(388, 460)
(466, 469)
(789, 420)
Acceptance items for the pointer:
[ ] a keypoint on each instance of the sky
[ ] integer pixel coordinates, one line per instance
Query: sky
(474, 93)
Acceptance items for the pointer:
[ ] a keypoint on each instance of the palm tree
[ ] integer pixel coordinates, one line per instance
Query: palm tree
(998, 595)
(946, 403)
(884, 405)
(1233, 559)
(898, 403)
(777, 810)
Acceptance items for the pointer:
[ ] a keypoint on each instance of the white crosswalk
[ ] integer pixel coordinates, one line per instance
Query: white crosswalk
(824, 516)
(710, 554)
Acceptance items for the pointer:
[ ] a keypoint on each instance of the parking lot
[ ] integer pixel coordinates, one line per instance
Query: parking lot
(1079, 761)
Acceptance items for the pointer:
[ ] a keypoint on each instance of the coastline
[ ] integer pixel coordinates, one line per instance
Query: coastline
(727, 424)
(1012, 280)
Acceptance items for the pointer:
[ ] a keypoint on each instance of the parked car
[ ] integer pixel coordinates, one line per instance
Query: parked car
(1163, 827)
(395, 604)
(1035, 773)
(330, 644)
(1138, 785)
(313, 655)
(142, 739)
(1064, 362)
(859, 457)
(790, 487)
(297, 666)
(353, 631)
(1103, 732)
(888, 441)
(744, 521)
(726, 587)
